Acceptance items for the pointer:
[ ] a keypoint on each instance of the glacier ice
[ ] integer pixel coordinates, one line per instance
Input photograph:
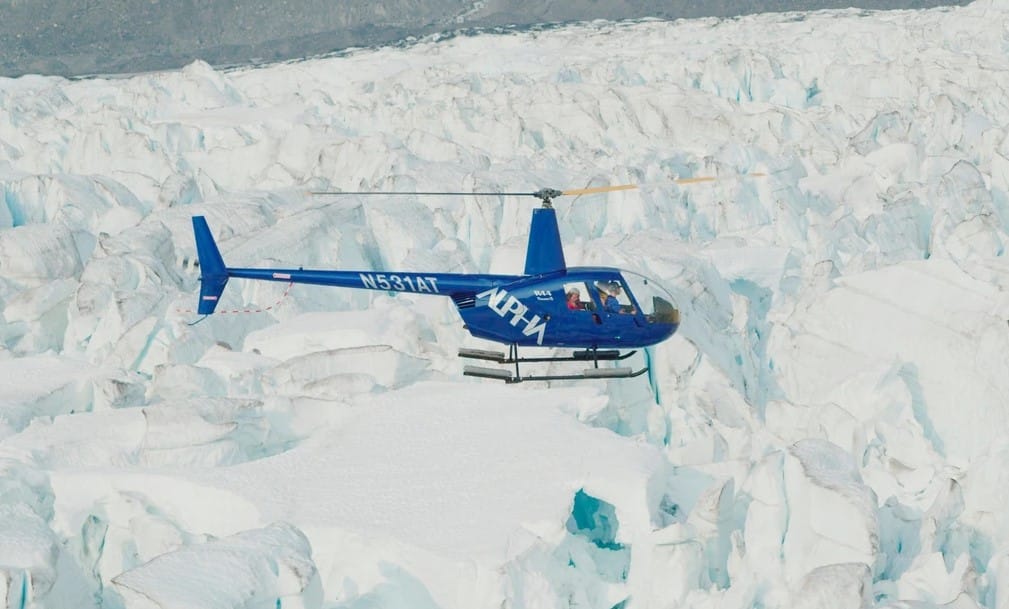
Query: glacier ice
(826, 430)
(268, 567)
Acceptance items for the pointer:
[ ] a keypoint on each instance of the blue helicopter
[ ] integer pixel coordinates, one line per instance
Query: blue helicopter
(597, 311)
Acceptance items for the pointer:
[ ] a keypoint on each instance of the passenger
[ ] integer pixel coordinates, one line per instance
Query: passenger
(575, 300)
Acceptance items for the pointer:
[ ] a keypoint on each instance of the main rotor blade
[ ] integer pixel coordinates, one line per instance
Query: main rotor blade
(595, 189)
(402, 193)
(548, 193)
(715, 179)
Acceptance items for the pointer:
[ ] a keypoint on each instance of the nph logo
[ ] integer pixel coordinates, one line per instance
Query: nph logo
(504, 304)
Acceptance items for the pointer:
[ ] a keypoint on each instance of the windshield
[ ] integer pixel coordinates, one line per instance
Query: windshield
(655, 302)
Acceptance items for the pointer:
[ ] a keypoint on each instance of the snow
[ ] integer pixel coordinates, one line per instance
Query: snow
(269, 567)
(826, 429)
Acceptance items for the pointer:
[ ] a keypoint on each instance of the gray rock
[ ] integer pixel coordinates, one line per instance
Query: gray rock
(71, 38)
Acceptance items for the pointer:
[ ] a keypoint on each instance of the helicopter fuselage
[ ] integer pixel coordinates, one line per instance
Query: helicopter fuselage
(528, 311)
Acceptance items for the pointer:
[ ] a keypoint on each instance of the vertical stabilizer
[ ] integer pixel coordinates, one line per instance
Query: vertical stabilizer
(213, 273)
(544, 254)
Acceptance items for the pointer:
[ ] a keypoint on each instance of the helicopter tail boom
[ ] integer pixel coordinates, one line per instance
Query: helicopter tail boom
(214, 276)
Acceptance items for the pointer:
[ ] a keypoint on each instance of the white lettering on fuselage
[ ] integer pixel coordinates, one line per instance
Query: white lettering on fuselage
(504, 304)
(400, 283)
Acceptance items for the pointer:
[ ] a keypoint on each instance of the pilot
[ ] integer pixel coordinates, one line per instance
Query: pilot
(607, 290)
(609, 294)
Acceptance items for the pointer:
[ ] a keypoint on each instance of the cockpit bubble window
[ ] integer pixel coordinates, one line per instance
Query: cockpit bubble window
(657, 304)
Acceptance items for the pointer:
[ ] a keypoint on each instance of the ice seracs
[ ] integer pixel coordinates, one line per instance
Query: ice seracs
(829, 423)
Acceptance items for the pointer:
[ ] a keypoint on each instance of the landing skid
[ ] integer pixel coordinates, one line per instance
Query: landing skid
(590, 355)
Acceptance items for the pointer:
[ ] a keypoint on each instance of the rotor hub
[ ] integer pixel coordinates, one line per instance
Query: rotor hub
(547, 195)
